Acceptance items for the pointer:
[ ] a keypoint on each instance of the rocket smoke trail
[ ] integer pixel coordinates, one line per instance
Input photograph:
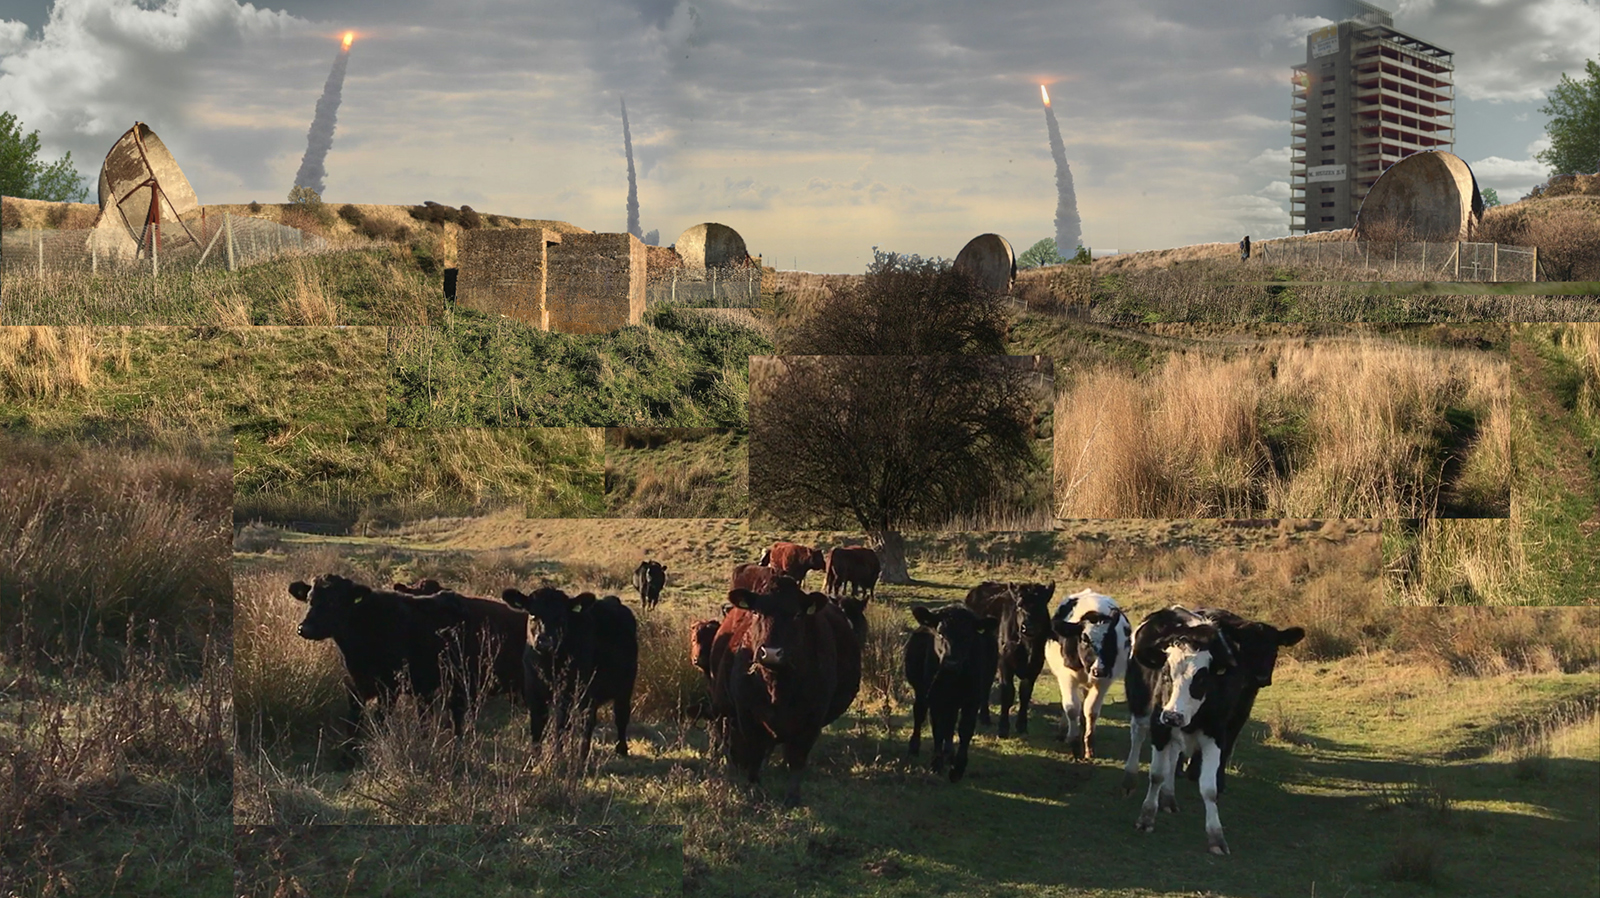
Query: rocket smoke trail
(1069, 228)
(320, 139)
(633, 181)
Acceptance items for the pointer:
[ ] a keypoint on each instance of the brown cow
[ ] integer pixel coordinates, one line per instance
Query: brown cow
(794, 560)
(783, 666)
(856, 566)
(754, 577)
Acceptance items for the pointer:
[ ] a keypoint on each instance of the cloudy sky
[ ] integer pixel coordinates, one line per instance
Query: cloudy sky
(817, 128)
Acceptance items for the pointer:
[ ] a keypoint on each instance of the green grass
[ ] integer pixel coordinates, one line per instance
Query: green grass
(309, 438)
(382, 285)
(706, 476)
(680, 368)
(488, 861)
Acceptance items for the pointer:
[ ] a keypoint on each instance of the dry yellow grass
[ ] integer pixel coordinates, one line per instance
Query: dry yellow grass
(46, 362)
(1582, 343)
(1302, 429)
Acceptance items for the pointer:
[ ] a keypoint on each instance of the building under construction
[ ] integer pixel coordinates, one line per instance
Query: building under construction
(1366, 97)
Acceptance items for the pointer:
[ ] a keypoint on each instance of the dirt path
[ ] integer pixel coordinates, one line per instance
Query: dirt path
(1565, 514)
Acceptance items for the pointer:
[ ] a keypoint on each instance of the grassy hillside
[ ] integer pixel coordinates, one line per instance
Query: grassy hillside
(681, 368)
(676, 473)
(306, 411)
(1371, 769)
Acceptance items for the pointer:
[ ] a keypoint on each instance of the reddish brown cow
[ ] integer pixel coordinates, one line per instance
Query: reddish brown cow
(794, 560)
(754, 577)
(783, 666)
(856, 566)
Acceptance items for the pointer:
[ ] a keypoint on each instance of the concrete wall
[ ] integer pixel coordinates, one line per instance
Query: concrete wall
(989, 260)
(505, 272)
(596, 283)
(711, 245)
(1430, 196)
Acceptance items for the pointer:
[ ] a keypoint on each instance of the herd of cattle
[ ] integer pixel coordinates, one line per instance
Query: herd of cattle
(782, 663)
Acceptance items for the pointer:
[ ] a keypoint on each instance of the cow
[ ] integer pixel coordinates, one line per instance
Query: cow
(754, 577)
(784, 664)
(1255, 645)
(581, 652)
(853, 566)
(1023, 610)
(1089, 649)
(794, 560)
(392, 641)
(1183, 686)
(648, 578)
(949, 663)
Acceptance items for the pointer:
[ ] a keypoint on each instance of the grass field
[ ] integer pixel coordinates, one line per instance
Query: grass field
(306, 408)
(115, 669)
(676, 473)
(488, 861)
(1335, 426)
(681, 368)
(1399, 752)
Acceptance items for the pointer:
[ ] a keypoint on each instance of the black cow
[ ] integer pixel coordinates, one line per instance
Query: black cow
(1184, 686)
(648, 578)
(949, 663)
(784, 664)
(1023, 610)
(581, 653)
(392, 641)
(855, 611)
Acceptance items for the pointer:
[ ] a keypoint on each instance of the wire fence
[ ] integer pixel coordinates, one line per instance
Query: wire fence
(709, 288)
(1395, 260)
(223, 241)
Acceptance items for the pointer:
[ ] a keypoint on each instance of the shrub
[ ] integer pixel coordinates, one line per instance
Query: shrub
(352, 215)
(470, 218)
(255, 207)
(1568, 242)
(10, 216)
(57, 215)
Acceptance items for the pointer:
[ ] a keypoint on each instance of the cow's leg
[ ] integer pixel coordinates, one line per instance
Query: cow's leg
(795, 753)
(919, 713)
(1138, 729)
(1162, 761)
(1096, 698)
(1210, 767)
(944, 725)
(968, 721)
(983, 709)
(1008, 694)
(1169, 783)
(588, 728)
(621, 711)
(1024, 698)
(1072, 716)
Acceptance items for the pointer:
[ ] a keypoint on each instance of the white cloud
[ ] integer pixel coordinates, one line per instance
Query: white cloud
(1507, 50)
(1277, 190)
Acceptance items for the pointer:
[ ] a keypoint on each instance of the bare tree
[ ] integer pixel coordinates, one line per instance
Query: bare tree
(887, 443)
(905, 305)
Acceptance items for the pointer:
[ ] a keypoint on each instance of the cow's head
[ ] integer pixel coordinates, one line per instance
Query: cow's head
(1192, 652)
(1256, 646)
(556, 620)
(701, 637)
(331, 602)
(1092, 643)
(959, 635)
(1033, 610)
(815, 561)
(781, 629)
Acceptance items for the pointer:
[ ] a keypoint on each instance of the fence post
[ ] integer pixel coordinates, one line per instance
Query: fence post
(674, 285)
(155, 258)
(1425, 260)
(41, 254)
(1494, 272)
(1536, 263)
(713, 286)
(227, 225)
(1458, 260)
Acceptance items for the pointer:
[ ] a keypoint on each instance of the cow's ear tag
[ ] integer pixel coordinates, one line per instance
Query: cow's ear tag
(357, 601)
(577, 609)
(812, 609)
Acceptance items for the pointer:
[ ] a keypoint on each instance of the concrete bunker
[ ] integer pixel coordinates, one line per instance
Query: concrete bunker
(573, 283)
(1427, 196)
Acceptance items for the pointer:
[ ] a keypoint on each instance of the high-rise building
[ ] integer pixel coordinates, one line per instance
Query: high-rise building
(1366, 97)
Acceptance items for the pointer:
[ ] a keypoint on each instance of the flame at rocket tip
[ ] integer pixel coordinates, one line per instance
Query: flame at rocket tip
(349, 38)
(1044, 93)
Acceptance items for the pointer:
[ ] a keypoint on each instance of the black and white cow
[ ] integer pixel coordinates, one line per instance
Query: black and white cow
(1089, 650)
(1255, 645)
(1183, 686)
